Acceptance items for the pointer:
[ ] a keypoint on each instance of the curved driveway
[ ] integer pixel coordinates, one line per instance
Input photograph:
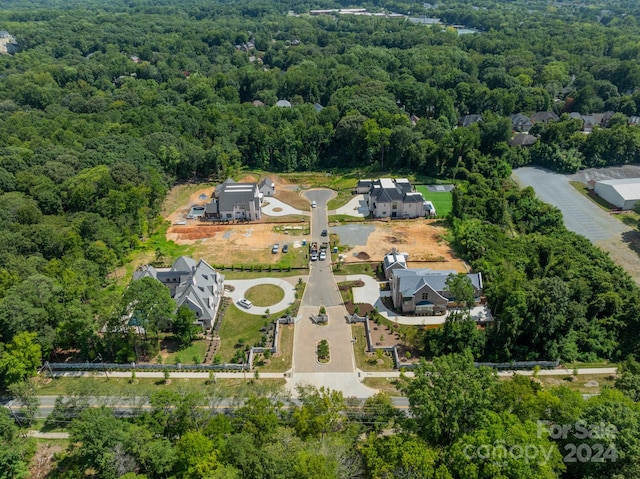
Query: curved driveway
(270, 204)
(242, 285)
(357, 207)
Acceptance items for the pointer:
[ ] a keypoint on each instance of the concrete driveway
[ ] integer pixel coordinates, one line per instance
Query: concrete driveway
(274, 207)
(357, 207)
(242, 285)
(370, 293)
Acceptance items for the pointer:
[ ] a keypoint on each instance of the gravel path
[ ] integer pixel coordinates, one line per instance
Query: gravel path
(353, 234)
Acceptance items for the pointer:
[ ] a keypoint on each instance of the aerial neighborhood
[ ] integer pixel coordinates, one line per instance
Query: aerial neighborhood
(393, 206)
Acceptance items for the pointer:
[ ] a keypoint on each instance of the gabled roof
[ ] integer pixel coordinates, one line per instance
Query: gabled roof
(522, 139)
(183, 264)
(520, 121)
(410, 281)
(221, 186)
(318, 107)
(395, 258)
(469, 120)
(237, 193)
(544, 117)
(283, 103)
(145, 271)
(266, 181)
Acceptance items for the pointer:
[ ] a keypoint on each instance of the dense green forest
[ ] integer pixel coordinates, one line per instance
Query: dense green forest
(105, 104)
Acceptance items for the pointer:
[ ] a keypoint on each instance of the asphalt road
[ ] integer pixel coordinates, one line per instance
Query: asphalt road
(579, 213)
(127, 406)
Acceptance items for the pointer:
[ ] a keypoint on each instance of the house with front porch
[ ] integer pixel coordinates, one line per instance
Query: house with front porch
(424, 291)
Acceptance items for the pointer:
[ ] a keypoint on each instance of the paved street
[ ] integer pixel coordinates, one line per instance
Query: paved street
(580, 215)
(322, 290)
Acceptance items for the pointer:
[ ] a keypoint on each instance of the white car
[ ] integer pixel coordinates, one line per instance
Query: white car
(245, 303)
(314, 204)
(314, 256)
(323, 255)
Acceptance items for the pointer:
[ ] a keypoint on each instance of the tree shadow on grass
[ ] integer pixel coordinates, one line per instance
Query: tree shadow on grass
(632, 239)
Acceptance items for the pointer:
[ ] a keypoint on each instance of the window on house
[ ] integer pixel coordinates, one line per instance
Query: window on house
(229, 215)
(394, 206)
(425, 296)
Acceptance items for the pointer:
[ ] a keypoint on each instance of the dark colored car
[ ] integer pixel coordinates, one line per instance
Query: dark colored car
(324, 233)
(285, 248)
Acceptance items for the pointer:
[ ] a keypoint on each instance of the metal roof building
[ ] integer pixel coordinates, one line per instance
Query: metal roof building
(623, 193)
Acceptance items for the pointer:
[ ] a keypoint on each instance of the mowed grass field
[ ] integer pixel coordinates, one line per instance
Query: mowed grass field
(442, 201)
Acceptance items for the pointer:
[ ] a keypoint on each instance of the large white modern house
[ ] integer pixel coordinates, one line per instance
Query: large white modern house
(394, 198)
(235, 201)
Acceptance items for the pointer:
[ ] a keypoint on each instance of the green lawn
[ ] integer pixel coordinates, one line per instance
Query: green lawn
(240, 327)
(387, 385)
(342, 198)
(122, 387)
(283, 361)
(194, 354)
(264, 294)
(355, 268)
(274, 273)
(364, 360)
(443, 201)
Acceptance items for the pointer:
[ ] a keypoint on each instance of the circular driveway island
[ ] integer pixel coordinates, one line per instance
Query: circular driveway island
(242, 285)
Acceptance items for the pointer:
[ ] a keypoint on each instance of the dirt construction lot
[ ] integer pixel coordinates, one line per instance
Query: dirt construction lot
(233, 244)
(421, 239)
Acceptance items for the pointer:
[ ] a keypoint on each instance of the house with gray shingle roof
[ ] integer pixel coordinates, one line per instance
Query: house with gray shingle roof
(267, 187)
(424, 291)
(393, 261)
(196, 285)
(235, 201)
(520, 122)
(469, 120)
(396, 198)
(544, 117)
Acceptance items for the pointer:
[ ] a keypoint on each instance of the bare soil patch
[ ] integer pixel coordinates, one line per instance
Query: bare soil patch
(423, 240)
(200, 198)
(44, 460)
(232, 244)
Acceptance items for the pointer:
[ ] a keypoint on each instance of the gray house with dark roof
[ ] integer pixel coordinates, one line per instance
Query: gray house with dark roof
(520, 122)
(469, 120)
(424, 291)
(544, 117)
(196, 285)
(235, 201)
(396, 198)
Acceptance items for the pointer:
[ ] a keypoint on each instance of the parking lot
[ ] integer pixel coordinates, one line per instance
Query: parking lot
(582, 216)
